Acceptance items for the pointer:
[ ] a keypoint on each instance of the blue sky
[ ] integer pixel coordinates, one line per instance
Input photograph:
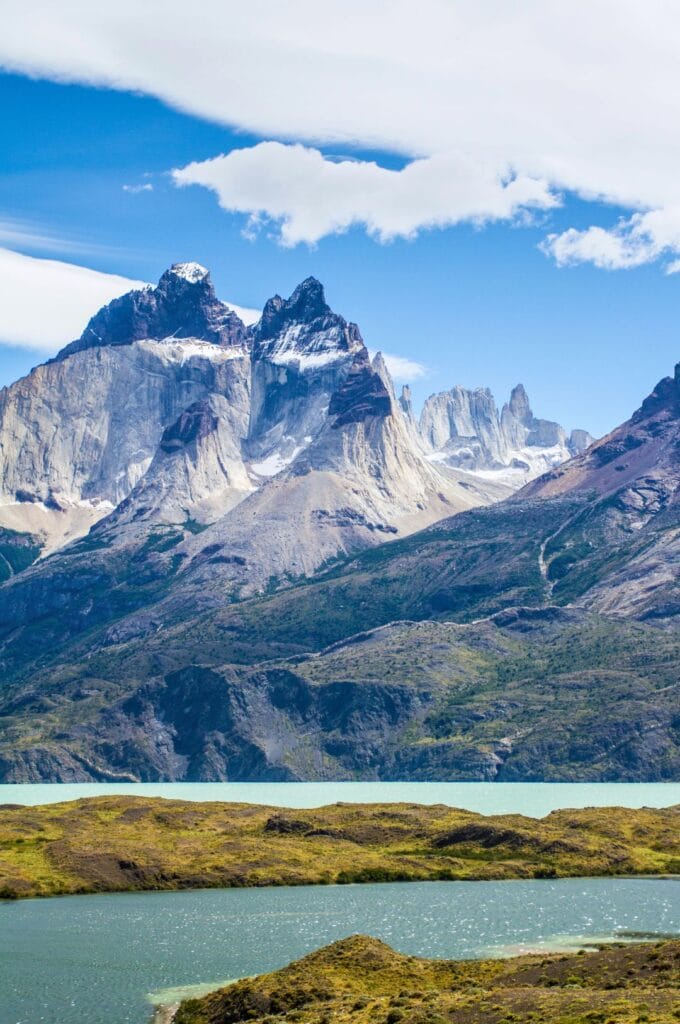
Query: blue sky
(479, 305)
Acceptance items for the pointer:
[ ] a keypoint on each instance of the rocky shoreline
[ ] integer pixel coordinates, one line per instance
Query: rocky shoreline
(165, 1014)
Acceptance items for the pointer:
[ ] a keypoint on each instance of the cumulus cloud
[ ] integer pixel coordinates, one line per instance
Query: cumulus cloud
(309, 196)
(640, 239)
(574, 96)
(44, 304)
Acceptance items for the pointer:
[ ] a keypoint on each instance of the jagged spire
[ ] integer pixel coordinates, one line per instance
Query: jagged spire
(519, 404)
(306, 305)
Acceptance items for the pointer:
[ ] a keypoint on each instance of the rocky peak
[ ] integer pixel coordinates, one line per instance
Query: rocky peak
(579, 440)
(464, 428)
(182, 305)
(192, 273)
(304, 328)
(306, 304)
(520, 406)
(308, 301)
(664, 398)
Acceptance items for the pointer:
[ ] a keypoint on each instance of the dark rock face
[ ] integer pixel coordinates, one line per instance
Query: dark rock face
(183, 305)
(664, 398)
(302, 352)
(195, 423)
(211, 725)
(362, 394)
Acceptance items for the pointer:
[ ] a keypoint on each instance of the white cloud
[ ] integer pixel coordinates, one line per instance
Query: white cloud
(402, 369)
(44, 304)
(640, 239)
(135, 189)
(583, 95)
(309, 196)
(672, 268)
(248, 315)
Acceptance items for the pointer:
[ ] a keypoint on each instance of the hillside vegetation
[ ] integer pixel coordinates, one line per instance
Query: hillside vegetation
(551, 694)
(116, 843)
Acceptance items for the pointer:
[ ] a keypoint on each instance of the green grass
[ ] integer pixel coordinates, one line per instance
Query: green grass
(362, 981)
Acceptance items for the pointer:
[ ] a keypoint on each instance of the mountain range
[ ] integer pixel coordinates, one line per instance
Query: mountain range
(234, 552)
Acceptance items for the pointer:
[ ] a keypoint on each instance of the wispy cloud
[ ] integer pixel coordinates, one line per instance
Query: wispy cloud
(46, 303)
(22, 234)
(248, 315)
(136, 189)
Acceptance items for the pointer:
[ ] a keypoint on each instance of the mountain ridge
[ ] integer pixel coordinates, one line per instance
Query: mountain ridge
(253, 543)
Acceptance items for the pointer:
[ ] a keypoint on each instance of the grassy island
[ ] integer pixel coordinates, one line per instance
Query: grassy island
(362, 981)
(124, 843)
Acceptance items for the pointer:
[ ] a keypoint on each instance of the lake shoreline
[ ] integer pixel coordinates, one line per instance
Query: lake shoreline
(165, 1014)
(337, 885)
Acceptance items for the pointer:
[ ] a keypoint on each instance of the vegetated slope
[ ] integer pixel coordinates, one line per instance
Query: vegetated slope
(125, 843)
(361, 979)
(553, 694)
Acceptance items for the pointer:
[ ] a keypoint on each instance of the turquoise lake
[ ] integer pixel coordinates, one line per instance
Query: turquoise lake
(100, 959)
(531, 798)
(106, 959)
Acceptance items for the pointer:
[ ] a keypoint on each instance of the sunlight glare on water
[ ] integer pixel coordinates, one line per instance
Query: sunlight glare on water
(101, 959)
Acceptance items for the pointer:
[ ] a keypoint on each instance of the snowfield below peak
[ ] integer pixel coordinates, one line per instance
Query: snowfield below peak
(181, 349)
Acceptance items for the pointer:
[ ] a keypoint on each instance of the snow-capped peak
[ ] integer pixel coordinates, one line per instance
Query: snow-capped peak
(191, 272)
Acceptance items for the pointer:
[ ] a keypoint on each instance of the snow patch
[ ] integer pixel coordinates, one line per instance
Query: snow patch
(296, 346)
(191, 272)
(179, 350)
(274, 463)
(523, 464)
(309, 362)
